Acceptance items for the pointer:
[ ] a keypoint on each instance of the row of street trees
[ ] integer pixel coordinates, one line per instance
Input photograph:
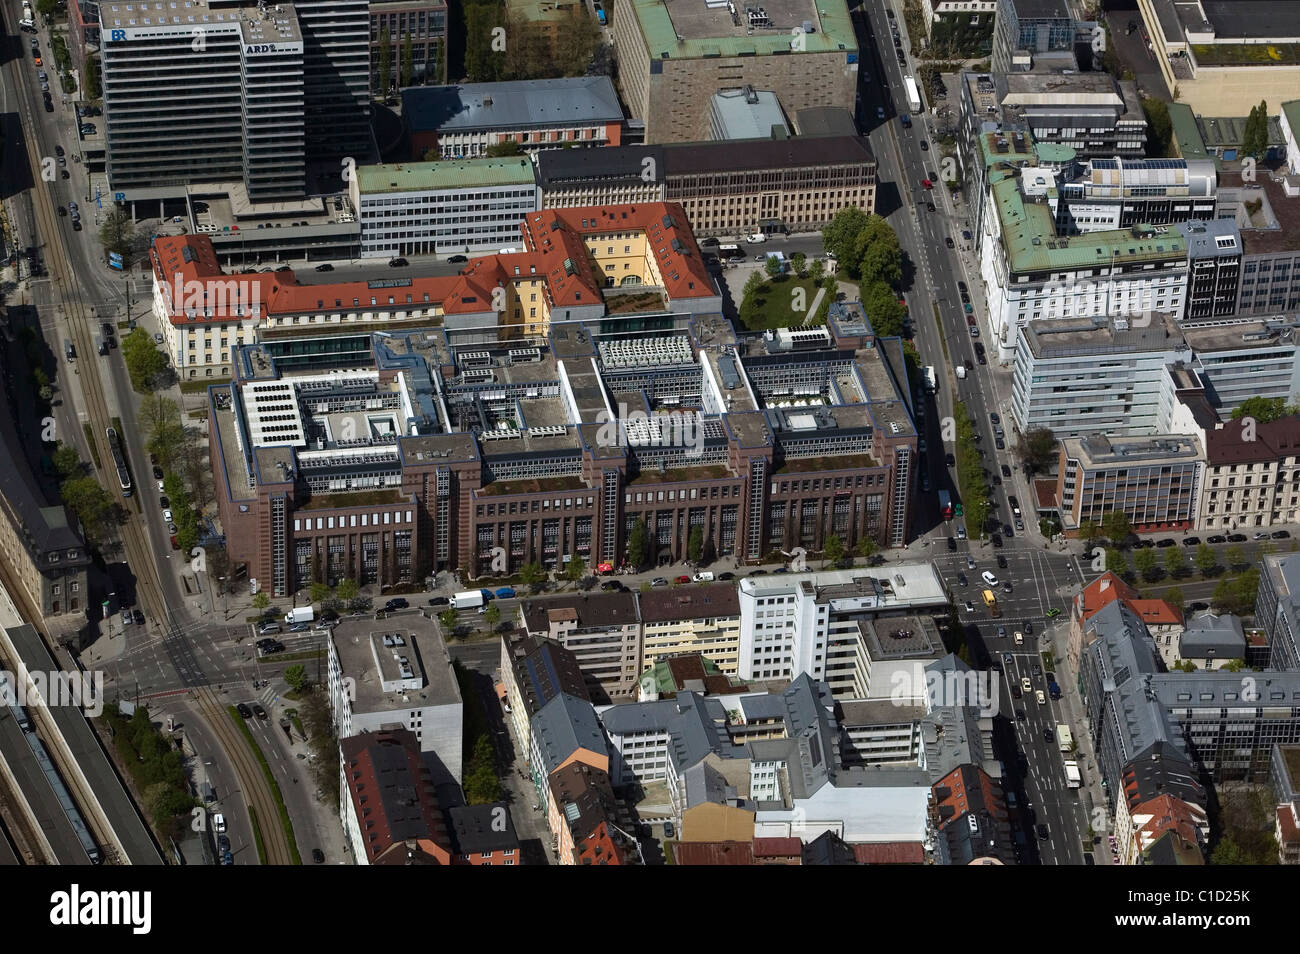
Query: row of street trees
(867, 248)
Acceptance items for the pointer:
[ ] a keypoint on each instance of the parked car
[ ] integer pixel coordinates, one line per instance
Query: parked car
(439, 601)
(1281, 534)
(1191, 541)
(961, 580)
(970, 607)
(398, 263)
(1216, 539)
(1002, 562)
(1236, 538)
(682, 579)
(396, 604)
(458, 259)
(658, 581)
(243, 709)
(723, 577)
(138, 617)
(327, 267)
(1167, 542)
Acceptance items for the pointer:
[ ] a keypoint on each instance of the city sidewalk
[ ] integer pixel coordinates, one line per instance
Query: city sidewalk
(1092, 795)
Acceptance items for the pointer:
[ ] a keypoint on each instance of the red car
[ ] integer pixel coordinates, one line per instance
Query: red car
(175, 545)
(682, 579)
(927, 183)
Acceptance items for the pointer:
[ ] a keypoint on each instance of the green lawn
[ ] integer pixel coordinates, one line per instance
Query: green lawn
(773, 305)
(1246, 54)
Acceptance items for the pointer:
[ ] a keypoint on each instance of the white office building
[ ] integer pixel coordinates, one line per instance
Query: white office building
(812, 622)
(197, 93)
(1030, 272)
(437, 208)
(1094, 375)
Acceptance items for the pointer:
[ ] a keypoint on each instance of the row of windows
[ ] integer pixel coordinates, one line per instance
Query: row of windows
(367, 520)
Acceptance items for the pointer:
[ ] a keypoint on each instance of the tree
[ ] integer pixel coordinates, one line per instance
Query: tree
(817, 270)
(695, 544)
(841, 235)
(1237, 594)
(144, 362)
(877, 255)
(867, 546)
(882, 307)
(492, 615)
(408, 60)
(575, 569)
(296, 677)
(1145, 561)
(1206, 559)
(1174, 562)
(319, 592)
(1234, 556)
(481, 783)
(448, 619)
(117, 234)
(67, 463)
(483, 64)
(1038, 449)
(1160, 128)
(1116, 561)
(507, 147)
(1117, 526)
(47, 8)
(1088, 532)
(1174, 597)
(347, 590)
(91, 77)
(799, 262)
(385, 61)
(833, 552)
(1263, 410)
(160, 418)
(92, 505)
(260, 600)
(638, 544)
(532, 574)
(1254, 137)
(709, 552)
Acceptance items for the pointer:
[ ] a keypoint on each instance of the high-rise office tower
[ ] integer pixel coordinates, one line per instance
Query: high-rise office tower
(336, 63)
(193, 93)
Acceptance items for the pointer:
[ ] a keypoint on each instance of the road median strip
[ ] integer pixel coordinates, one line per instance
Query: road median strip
(276, 794)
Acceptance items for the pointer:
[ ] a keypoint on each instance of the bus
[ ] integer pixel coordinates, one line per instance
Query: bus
(991, 602)
(730, 251)
(119, 461)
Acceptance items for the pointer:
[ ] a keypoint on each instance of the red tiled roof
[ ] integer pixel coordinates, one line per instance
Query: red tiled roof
(890, 853)
(1286, 821)
(556, 253)
(1108, 587)
(778, 848)
(713, 853)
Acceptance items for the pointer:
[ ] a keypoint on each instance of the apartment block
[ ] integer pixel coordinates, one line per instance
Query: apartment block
(396, 673)
(388, 803)
(1252, 475)
(565, 732)
(601, 630)
(1030, 32)
(1277, 609)
(703, 619)
(1238, 359)
(1155, 480)
(462, 121)
(484, 835)
(675, 55)
(438, 208)
(535, 671)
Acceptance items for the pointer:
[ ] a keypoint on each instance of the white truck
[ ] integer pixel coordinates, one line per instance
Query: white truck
(928, 373)
(467, 599)
(913, 94)
(961, 372)
(300, 614)
(1072, 777)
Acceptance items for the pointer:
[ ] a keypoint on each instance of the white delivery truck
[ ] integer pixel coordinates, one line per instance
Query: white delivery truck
(301, 614)
(1072, 777)
(961, 372)
(467, 599)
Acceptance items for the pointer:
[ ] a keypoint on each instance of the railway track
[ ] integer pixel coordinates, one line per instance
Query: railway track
(79, 325)
(247, 768)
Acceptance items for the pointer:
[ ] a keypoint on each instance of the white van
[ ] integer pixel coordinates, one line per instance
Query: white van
(758, 238)
(219, 823)
(704, 576)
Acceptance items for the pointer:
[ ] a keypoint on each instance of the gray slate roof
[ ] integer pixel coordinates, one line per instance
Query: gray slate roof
(548, 102)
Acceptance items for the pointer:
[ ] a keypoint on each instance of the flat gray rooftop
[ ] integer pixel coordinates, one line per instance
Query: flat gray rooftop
(352, 643)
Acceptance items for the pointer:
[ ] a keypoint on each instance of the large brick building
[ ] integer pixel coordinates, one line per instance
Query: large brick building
(381, 457)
